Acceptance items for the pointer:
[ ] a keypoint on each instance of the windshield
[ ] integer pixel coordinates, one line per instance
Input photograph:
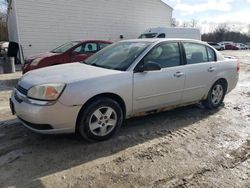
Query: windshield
(149, 35)
(65, 47)
(118, 56)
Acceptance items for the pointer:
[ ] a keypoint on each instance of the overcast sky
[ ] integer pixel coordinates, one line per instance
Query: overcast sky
(212, 12)
(1, 2)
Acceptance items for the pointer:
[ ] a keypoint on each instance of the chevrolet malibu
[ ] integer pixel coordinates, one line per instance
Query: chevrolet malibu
(126, 79)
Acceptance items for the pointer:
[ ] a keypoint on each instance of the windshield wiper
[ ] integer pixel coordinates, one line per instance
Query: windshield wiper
(94, 64)
(84, 62)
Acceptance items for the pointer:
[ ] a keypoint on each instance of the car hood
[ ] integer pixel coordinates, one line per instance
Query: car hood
(43, 55)
(67, 73)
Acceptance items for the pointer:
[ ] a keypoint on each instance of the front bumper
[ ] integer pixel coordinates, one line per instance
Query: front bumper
(53, 119)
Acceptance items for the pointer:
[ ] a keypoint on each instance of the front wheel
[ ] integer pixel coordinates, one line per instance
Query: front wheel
(216, 95)
(100, 120)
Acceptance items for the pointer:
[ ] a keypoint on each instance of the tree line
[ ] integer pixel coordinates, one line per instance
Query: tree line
(222, 33)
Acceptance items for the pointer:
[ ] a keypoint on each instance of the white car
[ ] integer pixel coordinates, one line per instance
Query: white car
(241, 46)
(217, 46)
(126, 79)
(222, 45)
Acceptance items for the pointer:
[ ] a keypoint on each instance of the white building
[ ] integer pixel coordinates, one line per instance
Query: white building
(41, 25)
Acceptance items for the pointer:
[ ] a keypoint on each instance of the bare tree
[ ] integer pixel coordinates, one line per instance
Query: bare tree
(185, 24)
(193, 23)
(3, 6)
(174, 22)
(3, 24)
(249, 30)
(223, 33)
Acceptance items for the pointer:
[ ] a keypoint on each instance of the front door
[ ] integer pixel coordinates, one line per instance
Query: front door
(84, 51)
(157, 89)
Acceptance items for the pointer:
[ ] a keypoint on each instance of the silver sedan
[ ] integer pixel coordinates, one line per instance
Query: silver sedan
(127, 79)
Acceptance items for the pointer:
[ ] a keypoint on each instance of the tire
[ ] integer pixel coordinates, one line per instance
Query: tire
(100, 120)
(216, 95)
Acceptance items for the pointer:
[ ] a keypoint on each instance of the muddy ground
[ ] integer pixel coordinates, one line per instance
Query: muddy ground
(186, 147)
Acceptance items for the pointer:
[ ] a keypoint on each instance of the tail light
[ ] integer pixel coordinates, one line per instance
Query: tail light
(238, 66)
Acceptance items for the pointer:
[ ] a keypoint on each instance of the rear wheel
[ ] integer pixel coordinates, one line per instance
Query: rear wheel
(216, 95)
(100, 120)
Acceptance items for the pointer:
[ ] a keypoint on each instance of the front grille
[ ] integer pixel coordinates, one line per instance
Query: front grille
(22, 90)
(41, 127)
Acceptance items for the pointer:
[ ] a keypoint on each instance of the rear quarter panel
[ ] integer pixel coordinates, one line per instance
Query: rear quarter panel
(226, 69)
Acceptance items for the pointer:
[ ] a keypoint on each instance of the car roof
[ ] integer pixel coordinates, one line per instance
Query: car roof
(157, 40)
(89, 40)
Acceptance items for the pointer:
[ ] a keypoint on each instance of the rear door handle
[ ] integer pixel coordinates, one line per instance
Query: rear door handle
(211, 69)
(178, 74)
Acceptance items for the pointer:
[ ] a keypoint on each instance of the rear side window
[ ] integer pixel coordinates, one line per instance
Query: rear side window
(195, 53)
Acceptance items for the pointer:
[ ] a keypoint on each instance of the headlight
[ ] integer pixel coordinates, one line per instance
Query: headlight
(46, 92)
(35, 62)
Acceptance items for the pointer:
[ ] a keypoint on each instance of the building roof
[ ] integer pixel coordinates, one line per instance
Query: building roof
(167, 5)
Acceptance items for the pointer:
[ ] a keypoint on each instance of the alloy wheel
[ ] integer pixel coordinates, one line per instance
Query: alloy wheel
(217, 94)
(103, 121)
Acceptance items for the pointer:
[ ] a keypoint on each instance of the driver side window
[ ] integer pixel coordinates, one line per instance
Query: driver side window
(86, 48)
(165, 54)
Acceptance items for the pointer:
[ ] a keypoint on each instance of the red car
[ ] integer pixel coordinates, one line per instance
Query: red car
(231, 47)
(73, 51)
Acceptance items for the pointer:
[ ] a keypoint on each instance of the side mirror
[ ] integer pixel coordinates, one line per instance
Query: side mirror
(149, 66)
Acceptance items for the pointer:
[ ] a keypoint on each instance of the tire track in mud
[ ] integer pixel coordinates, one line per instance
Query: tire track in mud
(157, 148)
(12, 146)
(237, 158)
(13, 150)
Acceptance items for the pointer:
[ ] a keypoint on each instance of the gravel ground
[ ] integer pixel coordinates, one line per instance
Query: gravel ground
(185, 147)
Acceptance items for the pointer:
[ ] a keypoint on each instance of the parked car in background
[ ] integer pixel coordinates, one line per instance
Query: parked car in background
(241, 46)
(4, 47)
(216, 45)
(231, 47)
(248, 45)
(226, 43)
(126, 79)
(223, 46)
(73, 51)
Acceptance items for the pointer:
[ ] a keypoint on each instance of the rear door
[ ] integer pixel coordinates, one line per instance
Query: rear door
(157, 89)
(201, 70)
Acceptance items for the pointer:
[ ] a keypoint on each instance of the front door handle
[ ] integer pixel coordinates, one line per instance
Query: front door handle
(211, 69)
(178, 74)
